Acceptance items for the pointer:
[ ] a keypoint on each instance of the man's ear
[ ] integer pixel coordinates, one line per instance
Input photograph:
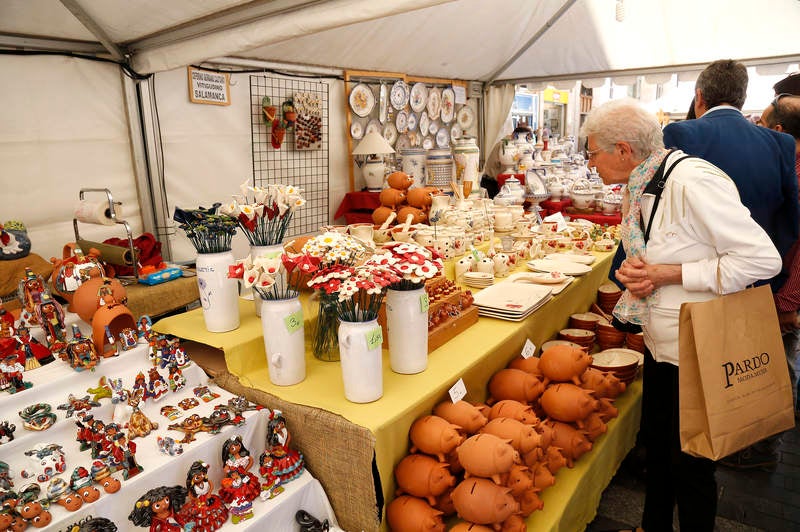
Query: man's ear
(700, 106)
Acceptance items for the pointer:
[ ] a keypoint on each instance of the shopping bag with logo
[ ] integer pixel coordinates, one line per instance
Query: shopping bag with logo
(733, 376)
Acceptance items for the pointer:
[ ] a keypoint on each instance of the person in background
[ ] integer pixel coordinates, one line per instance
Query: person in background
(788, 85)
(783, 114)
(702, 241)
(690, 115)
(492, 166)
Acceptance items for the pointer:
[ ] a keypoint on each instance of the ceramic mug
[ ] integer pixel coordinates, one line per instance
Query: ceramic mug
(485, 265)
(502, 219)
(549, 228)
(462, 266)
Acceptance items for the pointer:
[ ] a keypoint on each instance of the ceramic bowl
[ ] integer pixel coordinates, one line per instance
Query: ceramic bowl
(635, 342)
(623, 363)
(579, 336)
(552, 343)
(582, 200)
(584, 320)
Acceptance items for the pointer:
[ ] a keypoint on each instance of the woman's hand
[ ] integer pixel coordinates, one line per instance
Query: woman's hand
(641, 278)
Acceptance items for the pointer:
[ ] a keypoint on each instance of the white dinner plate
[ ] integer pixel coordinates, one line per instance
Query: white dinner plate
(373, 125)
(419, 97)
(566, 267)
(617, 356)
(399, 94)
(448, 105)
(424, 123)
(390, 133)
(465, 117)
(383, 102)
(577, 257)
(356, 130)
(434, 103)
(362, 100)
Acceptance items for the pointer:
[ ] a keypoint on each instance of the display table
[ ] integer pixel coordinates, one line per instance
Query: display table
(357, 207)
(52, 384)
(161, 298)
(346, 434)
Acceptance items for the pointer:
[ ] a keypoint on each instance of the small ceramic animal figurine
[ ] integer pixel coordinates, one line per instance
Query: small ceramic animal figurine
(207, 510)
(159, 509)
(169, 446)
(81, 483)
(102, 390)
(239, 490)
(138, 423)
(75, 404)
(101, 474)
(32, 512)
(189, 426)
(7, 431)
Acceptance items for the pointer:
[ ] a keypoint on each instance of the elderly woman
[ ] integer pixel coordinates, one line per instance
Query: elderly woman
(696, 241)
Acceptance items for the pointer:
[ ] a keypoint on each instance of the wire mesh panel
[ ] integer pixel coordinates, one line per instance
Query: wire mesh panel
(296, 162)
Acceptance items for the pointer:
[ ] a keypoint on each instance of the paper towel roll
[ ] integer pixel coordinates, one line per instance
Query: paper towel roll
(97, 212)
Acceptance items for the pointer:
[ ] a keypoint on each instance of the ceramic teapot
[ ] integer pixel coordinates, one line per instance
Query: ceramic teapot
(582, 195)
(556, 189)
(511, 193)
(611, 203)
(508, 156)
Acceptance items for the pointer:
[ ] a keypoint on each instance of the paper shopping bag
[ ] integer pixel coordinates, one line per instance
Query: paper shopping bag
(733, 375)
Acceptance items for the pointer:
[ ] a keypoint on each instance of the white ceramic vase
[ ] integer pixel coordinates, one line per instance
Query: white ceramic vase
(257, 251)
(219, 295)
(362, 360)
(282, 326)
(407, 327)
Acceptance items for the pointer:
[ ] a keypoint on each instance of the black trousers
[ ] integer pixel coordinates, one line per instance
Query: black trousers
(672, 476)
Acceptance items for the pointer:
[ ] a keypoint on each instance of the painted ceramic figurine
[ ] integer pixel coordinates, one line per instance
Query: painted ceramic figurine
(235, 455)
(29, 348)
(11, 375)
(50, 316)
(45, 462)
(59, 492)
(123, 456)
(93, 524)
(138, 423)
(127, 339)
(7, 431)
(75, 404)
(156, 385)
(239, 490)
(29, 292)
(80, 352)
(101, 474)
(159, 509)
(145, 326)
(206, 509)
(5, 476)
(285, 463)
(189, 426)
(176, 379)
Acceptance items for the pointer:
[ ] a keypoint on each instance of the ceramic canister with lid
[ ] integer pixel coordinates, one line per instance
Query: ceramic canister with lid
(466, 155)
(414, 165)
(440, 168)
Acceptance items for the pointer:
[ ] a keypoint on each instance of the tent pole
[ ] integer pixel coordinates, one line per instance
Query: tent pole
(95, 28)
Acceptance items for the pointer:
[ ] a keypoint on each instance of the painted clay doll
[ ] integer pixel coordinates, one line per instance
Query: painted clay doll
(239, 490)
(11, 375)
(206, 509)
(145, 326)
(156, 385)
(29, 292)
(50, 316)
(31, 349)
(287, 463)
(80, 352)
(236, 456)
(176, 379)
(123, 456)
(101, 474)
(159, 509)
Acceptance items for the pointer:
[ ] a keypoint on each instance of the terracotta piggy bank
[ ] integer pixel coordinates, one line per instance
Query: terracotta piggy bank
(515, 384)
(463, 414)
(542, 477)
(554, 459)
(531, 364)
(409, 514)
(434, 436)
(514, 523)
(564, 363)
(470, 527)
(529, 502)
(420, 197)
(603, 383)
(567, 402)
(400, 180)
(523, 437)
(418, 216)
(444, 503)
(391, 197)
(483, 502)
(518, 479)
(606, 409)
(422, 476)
(572, 442)
(487, 456)
(514, 410)
(381, 214)
(594, 426)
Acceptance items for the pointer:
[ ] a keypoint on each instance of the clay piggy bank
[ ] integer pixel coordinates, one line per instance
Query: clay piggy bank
(514, 410)
(422, 476)
(418, 216)
(606, 409)
(463, 414)
(409, 514)
(487, 456)
(594, 426)
(470, 527)
(523, 437)
(515, 384)
(564, 363)
(434, 436)
(518, 479)
(529, 502)
(542, 477)
(567, 402)
(483, 502)
(572, 442)
(400, 180)
(554, 459)
(421, 197)
(391, 197)
(603, 383)
(444, 503)
(381, 214)
(531, 364)
(514, 523)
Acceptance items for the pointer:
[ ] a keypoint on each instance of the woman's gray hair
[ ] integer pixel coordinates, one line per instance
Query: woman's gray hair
(624, 120)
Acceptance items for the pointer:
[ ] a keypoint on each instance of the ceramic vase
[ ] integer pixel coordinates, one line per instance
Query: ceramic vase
(362, 364)
(258, 251)
(282, 325)
(407, 328)
(325, 344)
(219, 295)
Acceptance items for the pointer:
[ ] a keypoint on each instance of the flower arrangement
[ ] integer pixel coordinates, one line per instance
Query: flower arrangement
(359, 289)
(208, 231)
(275, 276)
(411, 261)
(264, 214)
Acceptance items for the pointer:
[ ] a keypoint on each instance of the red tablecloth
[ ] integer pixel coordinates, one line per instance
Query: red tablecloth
(598, 218)
(358, 205)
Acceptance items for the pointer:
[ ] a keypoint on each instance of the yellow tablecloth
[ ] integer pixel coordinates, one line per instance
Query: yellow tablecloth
(473, 356)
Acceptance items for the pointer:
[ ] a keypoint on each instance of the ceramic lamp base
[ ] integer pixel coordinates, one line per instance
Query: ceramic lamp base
(373, 175)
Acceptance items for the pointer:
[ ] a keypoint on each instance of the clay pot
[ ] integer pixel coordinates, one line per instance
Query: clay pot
(523, 437)
(85, 300)
(463, 414)
(116, 317)
(409, 514)
(434, 436)
(514, 410)
(567, 402)
(563, 363)
(515, 384)
(69, 272)
(422, 476)
(400, 180)
(483, 502)
(487, 456)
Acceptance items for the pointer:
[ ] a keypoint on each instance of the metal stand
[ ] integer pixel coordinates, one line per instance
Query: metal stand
(113, 215)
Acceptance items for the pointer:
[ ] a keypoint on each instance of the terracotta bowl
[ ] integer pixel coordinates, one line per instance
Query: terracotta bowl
(584, 320)
(581, 337)
(635, 342)
(551, 343)
(623, 363)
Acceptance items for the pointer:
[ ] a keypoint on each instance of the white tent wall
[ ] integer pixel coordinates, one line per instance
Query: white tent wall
(208, 154)
(63, 127)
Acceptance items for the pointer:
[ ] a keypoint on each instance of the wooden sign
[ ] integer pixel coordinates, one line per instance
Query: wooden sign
(208, 87)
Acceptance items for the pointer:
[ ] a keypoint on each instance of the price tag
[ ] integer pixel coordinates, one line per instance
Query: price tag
(374, 338)
(529, 349)
(458, 391)
(460, 93)
(294, 321)
(424, 303)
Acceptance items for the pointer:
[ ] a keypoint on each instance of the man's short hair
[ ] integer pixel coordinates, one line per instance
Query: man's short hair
(723, 81)
(788, 85)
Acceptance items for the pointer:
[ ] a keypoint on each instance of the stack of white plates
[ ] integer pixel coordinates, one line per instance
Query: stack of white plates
(478, 279)
(556, 280)
(511, 301)
(555, 264)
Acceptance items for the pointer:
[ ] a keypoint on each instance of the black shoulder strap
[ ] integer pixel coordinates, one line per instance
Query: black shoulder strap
(656, 187)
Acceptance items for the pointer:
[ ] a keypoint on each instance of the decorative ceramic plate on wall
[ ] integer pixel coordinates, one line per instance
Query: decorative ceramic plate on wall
(412, 121)
(383, 102)
(465, 117)
(434, 103)
(356, 130)
(455, 132)
(390, 133)
(401, 121)
(424, 123)
(373, 125)
(448, 105)
(419, 97)
(399, 94)
(427, 143)
(362, 100)
(403, 142)
(443, 138)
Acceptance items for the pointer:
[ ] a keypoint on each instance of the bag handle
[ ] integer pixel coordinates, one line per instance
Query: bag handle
(656, 188)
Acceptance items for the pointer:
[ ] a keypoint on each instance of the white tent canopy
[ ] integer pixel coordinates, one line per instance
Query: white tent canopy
(70, 123)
